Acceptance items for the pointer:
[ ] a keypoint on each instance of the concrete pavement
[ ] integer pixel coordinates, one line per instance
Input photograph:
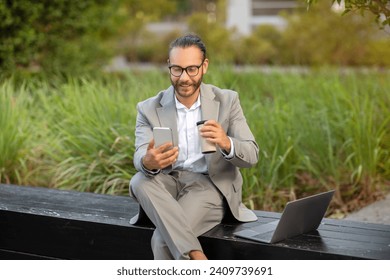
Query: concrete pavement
(377, 212)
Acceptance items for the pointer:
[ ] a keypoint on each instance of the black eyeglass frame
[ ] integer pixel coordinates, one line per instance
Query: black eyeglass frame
(185, 69)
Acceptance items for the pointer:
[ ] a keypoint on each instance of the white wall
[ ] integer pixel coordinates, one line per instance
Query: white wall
(239, 15)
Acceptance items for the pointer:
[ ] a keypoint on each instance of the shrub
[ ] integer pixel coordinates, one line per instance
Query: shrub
(216, 37)
(151, 48)
(322, 36)
(378, 53)
(254, 50)
(54, 35)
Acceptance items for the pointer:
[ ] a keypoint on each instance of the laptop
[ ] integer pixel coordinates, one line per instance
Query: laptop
(298, 217)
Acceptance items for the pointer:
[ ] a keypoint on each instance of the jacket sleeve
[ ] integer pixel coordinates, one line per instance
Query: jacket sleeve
(143, 135)
(246, 150)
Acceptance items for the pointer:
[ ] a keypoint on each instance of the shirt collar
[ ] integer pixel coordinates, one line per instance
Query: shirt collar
(194, 106)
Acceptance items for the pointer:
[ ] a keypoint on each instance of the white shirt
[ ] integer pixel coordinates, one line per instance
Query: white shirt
(190, 154)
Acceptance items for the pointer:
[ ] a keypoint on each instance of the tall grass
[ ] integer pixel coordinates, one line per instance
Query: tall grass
(317, 130)
(13, 131)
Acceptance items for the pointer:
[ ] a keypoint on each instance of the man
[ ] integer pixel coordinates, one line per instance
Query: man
(183, 192)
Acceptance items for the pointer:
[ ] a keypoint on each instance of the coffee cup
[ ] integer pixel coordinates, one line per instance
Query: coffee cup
(206, 146)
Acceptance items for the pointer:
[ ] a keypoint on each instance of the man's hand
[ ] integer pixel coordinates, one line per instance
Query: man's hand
(160, 157)
(214, 133)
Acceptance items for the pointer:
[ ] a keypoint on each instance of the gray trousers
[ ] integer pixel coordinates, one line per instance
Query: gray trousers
(182, 205)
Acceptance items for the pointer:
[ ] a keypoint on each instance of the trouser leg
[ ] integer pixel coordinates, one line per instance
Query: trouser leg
(192, 206)
(159, 247)
(165, 213)
(202, 204)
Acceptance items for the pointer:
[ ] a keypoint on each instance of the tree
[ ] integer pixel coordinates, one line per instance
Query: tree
(380, 8)
(55, 35)
(69, 35)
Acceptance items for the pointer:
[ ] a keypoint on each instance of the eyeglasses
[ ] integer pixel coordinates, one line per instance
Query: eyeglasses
(191, 70)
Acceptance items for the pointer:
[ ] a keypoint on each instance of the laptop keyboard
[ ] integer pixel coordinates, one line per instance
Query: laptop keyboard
(265, 227)
(262, 232)
(264, 236)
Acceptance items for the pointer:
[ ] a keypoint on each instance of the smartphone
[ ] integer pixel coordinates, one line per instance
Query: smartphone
(162, 135)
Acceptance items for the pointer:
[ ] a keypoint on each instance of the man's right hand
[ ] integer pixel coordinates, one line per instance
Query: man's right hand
(160, 157)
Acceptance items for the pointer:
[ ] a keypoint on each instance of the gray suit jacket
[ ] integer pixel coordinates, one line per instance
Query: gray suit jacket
(218, 104)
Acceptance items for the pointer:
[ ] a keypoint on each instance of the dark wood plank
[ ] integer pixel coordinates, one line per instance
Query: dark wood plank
(15, 255)
(319, 245)
(47, 223)
(68, 204)
(53, 237)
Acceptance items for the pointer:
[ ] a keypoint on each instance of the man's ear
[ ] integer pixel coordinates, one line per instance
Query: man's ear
(205, 65)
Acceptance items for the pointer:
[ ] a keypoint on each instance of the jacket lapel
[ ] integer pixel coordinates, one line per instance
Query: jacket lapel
(210, 111)
(210, 107)
(167, 113)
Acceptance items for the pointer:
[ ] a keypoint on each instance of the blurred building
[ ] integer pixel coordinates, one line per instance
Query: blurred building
(245, 15)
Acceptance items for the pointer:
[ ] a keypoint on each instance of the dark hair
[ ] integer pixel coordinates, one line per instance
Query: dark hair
(188, 40)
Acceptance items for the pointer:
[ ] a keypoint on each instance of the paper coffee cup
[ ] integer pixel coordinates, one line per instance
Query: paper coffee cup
(206, 146)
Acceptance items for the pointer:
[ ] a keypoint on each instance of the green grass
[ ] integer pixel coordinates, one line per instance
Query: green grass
(14, 131)
(316, 130)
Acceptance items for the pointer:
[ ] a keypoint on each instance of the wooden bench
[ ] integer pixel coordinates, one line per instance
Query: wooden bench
(41, 223)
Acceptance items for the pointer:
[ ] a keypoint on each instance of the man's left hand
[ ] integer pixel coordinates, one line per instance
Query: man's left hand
(214, 133)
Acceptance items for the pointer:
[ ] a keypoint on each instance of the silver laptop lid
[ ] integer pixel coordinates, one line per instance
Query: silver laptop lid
(302, 215)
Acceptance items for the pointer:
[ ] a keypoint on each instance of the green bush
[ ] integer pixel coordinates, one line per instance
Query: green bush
(20, 41)
(322, 36)
(54, 35)
(261, 47)
(217, 38)
(151, 48)
(316, 37)
(254, 50)
(72, 36)
(378, 53)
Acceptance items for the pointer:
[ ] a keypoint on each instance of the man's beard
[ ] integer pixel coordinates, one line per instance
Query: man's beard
(186, 89)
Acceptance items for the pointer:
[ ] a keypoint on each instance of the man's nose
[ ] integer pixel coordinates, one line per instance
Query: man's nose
(184, 75)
